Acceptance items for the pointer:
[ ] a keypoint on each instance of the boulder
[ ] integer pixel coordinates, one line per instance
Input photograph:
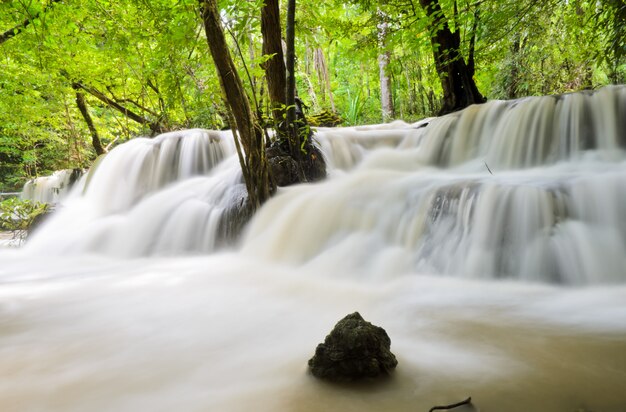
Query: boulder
(354, 349)
(285, 171)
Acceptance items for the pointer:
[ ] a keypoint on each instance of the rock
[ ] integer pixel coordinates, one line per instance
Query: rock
(284, 169)
(354, 349)
(236, 215)
(324, 119)
(314, 164)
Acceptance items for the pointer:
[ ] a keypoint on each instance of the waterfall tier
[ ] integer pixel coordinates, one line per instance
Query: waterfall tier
(51, 189)
(529, 189)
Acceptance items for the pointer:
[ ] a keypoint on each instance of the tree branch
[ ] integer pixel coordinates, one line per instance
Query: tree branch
(20, 27)
(133, 102)
(82, 106)
(154, 126)
(467, 401)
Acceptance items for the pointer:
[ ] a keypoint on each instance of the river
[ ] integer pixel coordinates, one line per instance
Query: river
(490, 244)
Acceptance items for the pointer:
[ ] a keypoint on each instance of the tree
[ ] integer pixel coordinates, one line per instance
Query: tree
(143, 70)
(245, 126)
(275, 70)
(457, 81)
(383, 63)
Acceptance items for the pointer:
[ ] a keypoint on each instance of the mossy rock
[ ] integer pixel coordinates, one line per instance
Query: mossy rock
(324, 119)
(354, 350)
(284, 169)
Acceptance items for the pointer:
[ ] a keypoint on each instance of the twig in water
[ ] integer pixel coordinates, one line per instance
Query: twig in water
(487, 166)
(454, 405)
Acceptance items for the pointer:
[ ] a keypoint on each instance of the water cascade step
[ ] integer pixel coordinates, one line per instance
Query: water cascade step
(531, 189)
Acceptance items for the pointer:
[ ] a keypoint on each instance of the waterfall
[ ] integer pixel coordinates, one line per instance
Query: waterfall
(489, 244)
(532, 189)
(150, 196)
(532, 131)
(51, 189)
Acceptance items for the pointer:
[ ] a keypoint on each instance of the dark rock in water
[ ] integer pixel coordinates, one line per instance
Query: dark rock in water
(314, 164)
(353, 350)
(235, 217)
(75, 175)
(284, 169)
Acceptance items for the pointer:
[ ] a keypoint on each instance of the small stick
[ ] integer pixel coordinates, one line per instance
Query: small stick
(454, 405)
(486, 165)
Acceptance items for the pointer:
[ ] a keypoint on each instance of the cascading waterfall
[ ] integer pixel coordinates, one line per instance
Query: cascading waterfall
(531, 189)
(530, 132)
(490, 244)
(150, 196)
(51, 189)
(474, 194)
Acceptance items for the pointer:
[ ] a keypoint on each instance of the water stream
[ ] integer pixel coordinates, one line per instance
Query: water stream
(490, 244)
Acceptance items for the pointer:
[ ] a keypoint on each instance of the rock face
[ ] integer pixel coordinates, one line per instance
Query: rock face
(354, 349)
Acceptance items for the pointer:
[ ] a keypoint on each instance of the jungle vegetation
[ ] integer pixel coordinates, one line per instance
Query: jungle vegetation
(78, 78)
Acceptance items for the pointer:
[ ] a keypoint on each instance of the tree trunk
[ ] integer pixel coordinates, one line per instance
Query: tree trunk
(386, 99)
(294, 135)
(95, 139)
(244, 124)
(619, 32)
(323, 75)
(292, 156)
(275, 71)
(459, 88)
(511, 87)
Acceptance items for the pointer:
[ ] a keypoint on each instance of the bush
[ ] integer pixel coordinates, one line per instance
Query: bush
(18, 215)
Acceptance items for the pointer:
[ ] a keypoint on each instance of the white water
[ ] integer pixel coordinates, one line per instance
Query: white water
(507, 287)
(49, 189)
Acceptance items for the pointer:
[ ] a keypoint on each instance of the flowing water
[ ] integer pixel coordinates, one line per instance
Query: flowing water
(490, 244)
(51, 189)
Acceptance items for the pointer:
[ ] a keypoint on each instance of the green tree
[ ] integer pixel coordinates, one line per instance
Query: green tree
(246, 127)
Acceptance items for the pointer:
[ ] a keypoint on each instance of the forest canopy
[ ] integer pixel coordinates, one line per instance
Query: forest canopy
(77, 78)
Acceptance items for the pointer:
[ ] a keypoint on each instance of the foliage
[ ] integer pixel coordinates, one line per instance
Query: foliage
(151, 58)
(19, 215)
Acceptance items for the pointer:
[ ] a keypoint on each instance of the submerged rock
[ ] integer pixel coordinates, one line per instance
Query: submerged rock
(354, 349)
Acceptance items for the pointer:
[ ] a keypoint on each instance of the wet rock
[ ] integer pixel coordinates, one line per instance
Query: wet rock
(354, 349)
(284, 169)
(236, 215)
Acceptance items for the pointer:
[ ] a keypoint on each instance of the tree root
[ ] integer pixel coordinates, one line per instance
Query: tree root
(467, 401)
